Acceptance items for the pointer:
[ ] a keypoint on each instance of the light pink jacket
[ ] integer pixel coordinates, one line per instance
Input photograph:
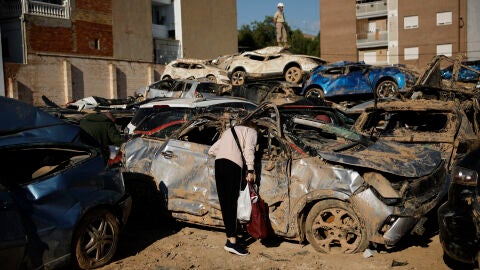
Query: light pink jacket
(226, 147)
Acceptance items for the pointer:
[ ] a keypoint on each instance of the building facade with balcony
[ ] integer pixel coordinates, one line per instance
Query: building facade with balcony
(69, 49)
(399, 32)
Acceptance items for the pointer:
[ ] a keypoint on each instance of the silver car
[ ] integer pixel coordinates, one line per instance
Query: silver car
(323, 183)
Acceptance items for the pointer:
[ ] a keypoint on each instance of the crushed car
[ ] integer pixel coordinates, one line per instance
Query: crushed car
(322, 183)
(346, 79)
(273, 62)
(278, 92)
(62, 205)
(184, 68)
(437, 124)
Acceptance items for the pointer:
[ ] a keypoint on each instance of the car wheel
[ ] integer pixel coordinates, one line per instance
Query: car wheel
(96, 239)
(212, 78)
(293, 75)
(315, 93)
(333, 227)
(238, 77)
(387, 89)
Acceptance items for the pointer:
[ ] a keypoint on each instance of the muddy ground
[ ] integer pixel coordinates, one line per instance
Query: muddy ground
(165, 244)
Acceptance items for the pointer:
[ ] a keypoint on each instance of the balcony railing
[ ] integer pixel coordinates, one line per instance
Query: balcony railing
(372, 39)
(15, 8)
(371, 9)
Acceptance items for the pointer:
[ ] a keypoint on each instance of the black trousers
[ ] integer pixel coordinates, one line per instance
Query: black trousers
(227, 178)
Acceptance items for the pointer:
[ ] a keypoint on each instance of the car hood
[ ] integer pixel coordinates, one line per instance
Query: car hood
(24, 123)
(390, 157)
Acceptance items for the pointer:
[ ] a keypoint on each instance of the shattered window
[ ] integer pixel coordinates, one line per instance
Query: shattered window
(388, 123)
(202, 134)
(256, 57)
(36, 162)
(334, 71)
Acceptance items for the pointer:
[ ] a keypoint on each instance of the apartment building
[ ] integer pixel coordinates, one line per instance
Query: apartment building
(70, 49)
(407, 32)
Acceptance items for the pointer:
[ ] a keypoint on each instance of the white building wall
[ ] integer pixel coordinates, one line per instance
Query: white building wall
(473, 30)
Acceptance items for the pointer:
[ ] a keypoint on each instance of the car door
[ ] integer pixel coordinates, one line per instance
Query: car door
(185, 173)
(198, 71)
(13, 237)
(273, 179)
(358, 79)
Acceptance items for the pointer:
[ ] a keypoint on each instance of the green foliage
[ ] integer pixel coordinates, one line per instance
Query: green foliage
(262, 34)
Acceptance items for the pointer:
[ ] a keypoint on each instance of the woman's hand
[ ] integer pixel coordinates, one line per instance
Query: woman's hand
(250, 177)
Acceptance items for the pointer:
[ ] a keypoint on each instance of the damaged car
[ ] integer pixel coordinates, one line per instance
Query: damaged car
(437, 124)
(345, 78)
(322, 183)
(195, 68)
(459, 217)
(62, 205)
(273, 62)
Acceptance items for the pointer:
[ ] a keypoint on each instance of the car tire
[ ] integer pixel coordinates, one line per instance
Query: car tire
(315, 93)
(238, 77)
(96, 238)
(293, 75)
(387, 89)
(333, 227)
(212, 78)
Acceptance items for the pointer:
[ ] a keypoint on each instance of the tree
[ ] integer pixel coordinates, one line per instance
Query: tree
(262, 34)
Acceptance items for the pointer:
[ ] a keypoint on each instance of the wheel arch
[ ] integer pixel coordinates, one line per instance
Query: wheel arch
(385, 78)
(308, 201)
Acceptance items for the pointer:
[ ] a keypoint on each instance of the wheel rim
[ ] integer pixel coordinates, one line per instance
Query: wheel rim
(386, 89)
(238, 78)
(337, 231)
(98, 240)
(293, 75)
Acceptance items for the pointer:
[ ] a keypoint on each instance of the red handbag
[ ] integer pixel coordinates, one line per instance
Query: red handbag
(259, 221)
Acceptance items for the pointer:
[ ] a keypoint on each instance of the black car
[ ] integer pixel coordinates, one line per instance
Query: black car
(459, 217)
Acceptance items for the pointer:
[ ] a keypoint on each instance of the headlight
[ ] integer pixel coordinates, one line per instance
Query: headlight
(464, 176)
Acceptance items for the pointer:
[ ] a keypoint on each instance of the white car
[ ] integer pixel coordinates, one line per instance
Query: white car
(194, 68)
(268, 63)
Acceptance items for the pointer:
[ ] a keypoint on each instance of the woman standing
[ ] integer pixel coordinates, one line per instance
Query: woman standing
(228, 175)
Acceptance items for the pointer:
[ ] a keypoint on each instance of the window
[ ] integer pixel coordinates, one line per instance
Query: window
(410, 22)
(444, 18)
(411, 53)
(96, 44)
(444, 49)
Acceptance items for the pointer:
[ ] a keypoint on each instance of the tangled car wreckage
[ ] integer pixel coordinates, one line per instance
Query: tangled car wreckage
(324, 183)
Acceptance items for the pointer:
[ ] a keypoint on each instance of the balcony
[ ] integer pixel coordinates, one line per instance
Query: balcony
(15, 8)
(372, 39)
(369, 9)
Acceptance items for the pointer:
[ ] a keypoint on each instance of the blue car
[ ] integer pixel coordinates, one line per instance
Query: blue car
(466, 73)
(352, 78)
(62, 206)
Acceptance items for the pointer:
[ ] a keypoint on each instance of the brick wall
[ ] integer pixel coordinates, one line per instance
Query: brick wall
(50, 39)
(85, 35)
(64, 79)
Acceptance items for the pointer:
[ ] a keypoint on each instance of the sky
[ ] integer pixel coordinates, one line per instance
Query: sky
(299, 14)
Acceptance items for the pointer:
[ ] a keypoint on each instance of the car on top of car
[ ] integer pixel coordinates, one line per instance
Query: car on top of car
(345, 78)
(273, 62)
(184, 68)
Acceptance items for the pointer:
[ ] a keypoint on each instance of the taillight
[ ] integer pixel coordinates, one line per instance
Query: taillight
(464, 176)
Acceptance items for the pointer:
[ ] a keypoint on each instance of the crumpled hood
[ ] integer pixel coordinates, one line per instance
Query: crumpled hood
(390, 157)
